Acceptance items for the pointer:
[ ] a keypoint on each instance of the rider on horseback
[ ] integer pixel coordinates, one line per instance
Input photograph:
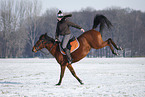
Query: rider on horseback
(63, 29)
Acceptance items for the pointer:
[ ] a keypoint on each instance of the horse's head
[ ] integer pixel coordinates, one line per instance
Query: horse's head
(41, 43)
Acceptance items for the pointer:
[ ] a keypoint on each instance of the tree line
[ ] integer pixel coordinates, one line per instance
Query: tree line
(21, 24)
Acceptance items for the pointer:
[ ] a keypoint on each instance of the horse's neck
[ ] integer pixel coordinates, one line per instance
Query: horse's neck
(52, 48)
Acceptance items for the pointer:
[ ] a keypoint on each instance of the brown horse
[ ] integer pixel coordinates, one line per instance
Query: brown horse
(89, 39)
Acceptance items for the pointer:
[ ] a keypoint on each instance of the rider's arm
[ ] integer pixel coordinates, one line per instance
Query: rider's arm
(75, 25)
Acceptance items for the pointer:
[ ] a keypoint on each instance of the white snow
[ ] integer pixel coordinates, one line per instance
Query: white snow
(102, 77)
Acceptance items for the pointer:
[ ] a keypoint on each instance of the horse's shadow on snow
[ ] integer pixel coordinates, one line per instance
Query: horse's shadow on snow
(10, 83)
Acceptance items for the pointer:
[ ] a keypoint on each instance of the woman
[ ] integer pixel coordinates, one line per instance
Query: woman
(63, 29)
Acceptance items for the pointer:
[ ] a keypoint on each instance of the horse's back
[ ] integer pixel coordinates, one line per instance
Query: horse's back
(92, 37)
(91, 33)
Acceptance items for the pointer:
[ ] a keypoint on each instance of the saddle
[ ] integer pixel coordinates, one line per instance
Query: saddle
(72, 45)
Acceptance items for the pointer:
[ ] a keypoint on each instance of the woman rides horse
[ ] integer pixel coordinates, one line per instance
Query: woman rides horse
(89, 39)
(62, 29)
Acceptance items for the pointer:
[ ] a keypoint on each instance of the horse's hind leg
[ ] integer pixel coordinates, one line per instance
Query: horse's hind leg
(117, 47)
(108, 43)
(73, 73)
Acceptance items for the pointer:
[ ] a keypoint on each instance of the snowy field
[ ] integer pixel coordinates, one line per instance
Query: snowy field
(102, 77)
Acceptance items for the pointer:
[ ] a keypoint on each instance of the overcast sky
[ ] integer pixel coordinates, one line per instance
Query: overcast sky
(77, 5)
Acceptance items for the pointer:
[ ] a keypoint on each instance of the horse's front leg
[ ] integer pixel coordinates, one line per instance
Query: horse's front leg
(61, 74)
(73, 73)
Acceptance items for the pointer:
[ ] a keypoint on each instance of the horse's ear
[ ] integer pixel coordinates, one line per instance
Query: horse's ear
(45, 34)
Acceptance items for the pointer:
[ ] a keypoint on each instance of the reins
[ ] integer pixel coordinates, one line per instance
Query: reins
(49, 50)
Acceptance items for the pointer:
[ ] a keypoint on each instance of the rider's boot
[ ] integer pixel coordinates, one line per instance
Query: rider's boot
(69, 58)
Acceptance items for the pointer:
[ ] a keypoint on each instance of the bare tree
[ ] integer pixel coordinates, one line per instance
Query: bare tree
(12, 16)
(33, 12)
(7, 24)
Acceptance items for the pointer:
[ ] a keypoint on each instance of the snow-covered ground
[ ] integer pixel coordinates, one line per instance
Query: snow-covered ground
(102, 77)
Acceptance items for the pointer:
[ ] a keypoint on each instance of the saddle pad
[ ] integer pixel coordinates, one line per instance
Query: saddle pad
(74, 46)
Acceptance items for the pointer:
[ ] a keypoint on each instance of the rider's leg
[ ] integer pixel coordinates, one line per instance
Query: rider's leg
(65, 40)
(64, 46)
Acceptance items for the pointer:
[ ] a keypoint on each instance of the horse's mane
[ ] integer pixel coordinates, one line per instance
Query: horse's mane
(47, 38)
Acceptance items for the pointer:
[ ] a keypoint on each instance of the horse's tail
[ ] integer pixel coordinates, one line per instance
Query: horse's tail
(102, 20)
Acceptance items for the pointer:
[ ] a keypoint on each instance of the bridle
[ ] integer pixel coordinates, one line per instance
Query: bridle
(37, 46)
(49, 50)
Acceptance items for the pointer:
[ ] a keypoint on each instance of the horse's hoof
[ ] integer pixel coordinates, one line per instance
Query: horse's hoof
(115, 53)
(57, 84)
(82, 83)
(120, 48)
